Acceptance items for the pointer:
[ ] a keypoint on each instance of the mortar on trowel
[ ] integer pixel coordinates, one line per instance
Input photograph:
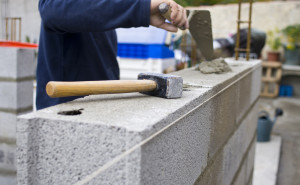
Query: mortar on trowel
(201, 31)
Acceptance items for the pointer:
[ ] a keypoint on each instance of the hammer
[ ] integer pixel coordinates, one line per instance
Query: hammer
(154, 84)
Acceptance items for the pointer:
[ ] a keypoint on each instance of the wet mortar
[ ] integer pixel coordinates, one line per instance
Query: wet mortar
(217, 66)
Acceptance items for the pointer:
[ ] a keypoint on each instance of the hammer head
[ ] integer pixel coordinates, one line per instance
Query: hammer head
(168, 86)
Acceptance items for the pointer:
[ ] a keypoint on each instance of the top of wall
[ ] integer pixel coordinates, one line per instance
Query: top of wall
(137, 112)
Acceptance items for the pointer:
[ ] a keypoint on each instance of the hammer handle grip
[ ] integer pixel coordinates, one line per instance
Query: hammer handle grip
(65, 89)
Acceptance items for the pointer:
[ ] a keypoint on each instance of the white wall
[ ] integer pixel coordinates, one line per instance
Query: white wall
(28, 10)
(266, 16)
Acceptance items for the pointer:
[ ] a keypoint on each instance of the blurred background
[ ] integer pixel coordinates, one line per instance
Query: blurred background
(275, 39)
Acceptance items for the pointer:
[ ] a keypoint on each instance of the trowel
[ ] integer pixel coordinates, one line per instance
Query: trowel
(200, 28)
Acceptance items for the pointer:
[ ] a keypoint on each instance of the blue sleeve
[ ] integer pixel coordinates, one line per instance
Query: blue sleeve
(93, 15)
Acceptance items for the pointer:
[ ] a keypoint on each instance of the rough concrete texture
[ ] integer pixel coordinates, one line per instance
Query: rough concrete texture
(59, 149)
(16, 95)
(233, 163)
(237, 148)
(217, 66)
(16, 63)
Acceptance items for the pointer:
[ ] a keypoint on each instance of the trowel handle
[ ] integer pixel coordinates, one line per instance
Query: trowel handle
(165, 11)
(65, 89)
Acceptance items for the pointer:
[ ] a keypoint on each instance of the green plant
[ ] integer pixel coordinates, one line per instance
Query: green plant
(292, 36)
(274, 39)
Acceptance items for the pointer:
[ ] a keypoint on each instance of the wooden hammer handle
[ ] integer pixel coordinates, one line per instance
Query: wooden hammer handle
(65, 89)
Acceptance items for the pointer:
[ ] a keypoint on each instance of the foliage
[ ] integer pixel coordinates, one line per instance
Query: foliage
(292, 35)
(274, 39)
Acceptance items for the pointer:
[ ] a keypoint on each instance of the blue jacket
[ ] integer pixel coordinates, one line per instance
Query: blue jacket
(78, 41)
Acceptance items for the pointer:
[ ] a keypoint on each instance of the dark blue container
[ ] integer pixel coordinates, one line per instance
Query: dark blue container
(265, 125)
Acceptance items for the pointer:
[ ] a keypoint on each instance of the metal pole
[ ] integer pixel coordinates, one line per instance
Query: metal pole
(249, 31)
(237, 40)
(20, 26)
(6, 28)
(11, 29)
(15, 29)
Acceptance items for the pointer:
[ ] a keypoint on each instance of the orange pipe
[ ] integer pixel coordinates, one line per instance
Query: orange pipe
(18, 45)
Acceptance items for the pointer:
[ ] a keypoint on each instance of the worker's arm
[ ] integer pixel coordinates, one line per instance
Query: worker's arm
(93, 15)
(102, 15)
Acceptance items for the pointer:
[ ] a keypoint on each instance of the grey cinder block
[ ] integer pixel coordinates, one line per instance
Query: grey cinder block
(173, 139)
(7, 158)
(8, 179)
(16, 63)
(16, 95)
(8, 126)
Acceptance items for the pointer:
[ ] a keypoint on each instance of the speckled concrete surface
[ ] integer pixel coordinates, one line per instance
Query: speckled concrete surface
(60, 149)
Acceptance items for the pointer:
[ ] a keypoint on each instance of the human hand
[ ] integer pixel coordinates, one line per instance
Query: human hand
(178, 16)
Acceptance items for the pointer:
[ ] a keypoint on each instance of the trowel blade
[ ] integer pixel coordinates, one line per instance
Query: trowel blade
(201, 31)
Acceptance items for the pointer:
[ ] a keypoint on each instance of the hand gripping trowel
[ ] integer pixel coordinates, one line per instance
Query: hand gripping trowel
(200, 28)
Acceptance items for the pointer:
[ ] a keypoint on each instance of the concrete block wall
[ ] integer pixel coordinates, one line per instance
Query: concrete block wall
(16, 97)
(205, 137)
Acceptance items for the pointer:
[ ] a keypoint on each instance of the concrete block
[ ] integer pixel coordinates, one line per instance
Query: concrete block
(251, 124)
(7, 158)
(241, 178)
(179, 155)
(256, 81)
(232, 157)
(213, 174)
(250, 162)
(250, 182)
(223, 122)
(248, 87)
(78, 148)
(16, 95)
(235, 150)
(171, 138)
(8, 126)
(16, 63)
(244, 97)
(8, 179)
